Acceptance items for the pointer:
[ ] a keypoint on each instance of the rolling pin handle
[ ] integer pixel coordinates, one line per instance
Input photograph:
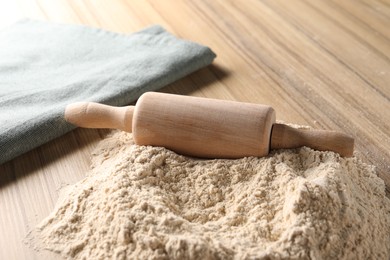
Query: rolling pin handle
(284, 137)
(94, 115)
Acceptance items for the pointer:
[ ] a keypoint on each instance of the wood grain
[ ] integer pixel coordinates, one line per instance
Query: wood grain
(318, 63)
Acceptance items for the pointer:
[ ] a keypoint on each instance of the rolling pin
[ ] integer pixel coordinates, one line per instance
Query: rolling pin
(203, 127)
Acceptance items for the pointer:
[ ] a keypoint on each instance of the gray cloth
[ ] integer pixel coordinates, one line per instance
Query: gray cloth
(45, 66)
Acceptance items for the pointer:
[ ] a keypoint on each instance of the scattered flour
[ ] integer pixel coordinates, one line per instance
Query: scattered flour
(142, 202)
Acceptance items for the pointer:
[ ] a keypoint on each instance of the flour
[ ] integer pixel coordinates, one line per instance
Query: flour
(149, 203)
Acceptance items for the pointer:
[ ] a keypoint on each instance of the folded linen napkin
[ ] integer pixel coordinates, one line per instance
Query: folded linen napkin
(45, 66)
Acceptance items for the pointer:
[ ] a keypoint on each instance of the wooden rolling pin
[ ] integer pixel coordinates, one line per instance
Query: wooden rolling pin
(204, 127)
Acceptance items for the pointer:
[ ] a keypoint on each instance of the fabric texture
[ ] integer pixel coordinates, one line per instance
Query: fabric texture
(45, 66)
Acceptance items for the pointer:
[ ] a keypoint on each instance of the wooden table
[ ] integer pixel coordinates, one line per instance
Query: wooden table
(318, 63)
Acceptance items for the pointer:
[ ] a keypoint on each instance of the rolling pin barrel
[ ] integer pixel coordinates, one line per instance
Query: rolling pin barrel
(203, 127)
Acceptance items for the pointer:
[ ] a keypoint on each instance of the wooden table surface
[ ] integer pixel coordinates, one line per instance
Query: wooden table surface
(318, 63)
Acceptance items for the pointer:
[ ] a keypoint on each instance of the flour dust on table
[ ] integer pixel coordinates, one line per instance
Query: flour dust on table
(142, 202)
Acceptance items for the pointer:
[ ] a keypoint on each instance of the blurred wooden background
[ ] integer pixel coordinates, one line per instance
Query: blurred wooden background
(318, 63)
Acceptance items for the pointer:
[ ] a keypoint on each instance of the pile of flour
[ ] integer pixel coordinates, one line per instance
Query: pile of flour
(142, 202)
